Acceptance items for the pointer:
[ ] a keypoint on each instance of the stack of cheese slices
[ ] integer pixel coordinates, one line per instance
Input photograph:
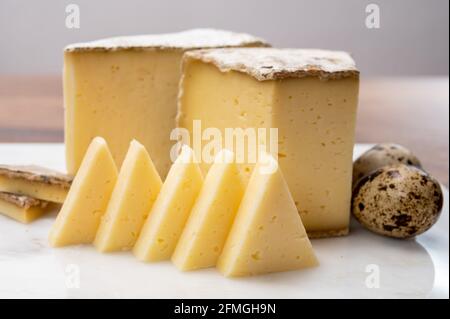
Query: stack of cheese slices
(28, 192)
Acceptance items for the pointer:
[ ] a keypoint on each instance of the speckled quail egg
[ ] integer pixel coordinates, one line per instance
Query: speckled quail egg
(399, 201)
(382, 155)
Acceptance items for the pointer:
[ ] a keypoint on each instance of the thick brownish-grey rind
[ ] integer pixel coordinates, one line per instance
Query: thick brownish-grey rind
(36, 174)
(266, 64)
(182, 41)
(23, 201)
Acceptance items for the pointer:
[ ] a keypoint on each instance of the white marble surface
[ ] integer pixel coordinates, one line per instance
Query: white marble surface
(29, 268)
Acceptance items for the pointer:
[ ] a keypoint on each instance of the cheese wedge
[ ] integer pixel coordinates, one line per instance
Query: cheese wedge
(309, 96)
(126, 88)
(267, 234)
(80, 215)
(23, 208)
(35, 181)
(211, 217)
(133, 196)
(168, 216)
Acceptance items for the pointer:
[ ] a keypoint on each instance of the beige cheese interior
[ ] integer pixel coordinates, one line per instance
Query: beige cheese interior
(315, 121)
(223, 100)
(120, 96)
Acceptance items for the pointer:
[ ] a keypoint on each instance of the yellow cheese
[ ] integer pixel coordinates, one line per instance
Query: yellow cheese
(211, 217)
(34, 181)
(310, 96)
(168, 216)
(23, 208)
(80, 215)
(126, 88)
(133, 196)
(267, 234)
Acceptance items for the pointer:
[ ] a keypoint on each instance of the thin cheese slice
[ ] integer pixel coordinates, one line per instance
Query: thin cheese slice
(268, 234)
(34, 181)
(211, 218)
(168, 216)
(22, 208)
(135, 192)
(86, 202)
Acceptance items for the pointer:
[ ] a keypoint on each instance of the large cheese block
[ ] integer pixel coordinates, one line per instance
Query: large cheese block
(163, 227)
(126, 88)
(88, 197)
(133, 196)
(267, 234)
(211, 218)
(309, 96)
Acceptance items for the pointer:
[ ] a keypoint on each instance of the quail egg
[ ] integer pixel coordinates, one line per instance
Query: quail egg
(399, 201)
(382, 155)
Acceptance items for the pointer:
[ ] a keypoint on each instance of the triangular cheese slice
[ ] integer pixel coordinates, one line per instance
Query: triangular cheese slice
(136, 190)
(267, 234)
(88, 197)
(211, 217)
(168, 216)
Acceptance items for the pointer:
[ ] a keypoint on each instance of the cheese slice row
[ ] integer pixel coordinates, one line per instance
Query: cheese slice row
(168, 216)
(133, 196)
(211, 218)
(197, 223)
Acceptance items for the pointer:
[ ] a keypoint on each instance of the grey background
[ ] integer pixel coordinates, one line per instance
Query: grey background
(412, 40)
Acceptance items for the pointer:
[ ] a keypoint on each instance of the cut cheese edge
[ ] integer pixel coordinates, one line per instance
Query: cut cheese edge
(86, 202)
(136, 190)
(211, 218)
(267, 234)
(168, 216)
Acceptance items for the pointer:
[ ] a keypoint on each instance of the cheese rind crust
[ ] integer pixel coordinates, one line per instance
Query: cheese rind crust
(22, 208)
(185, 40)
(266, 64)
(37, 174)
(22, 201)
(34, 181)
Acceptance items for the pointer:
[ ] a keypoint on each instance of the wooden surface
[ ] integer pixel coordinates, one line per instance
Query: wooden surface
(410, 111)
